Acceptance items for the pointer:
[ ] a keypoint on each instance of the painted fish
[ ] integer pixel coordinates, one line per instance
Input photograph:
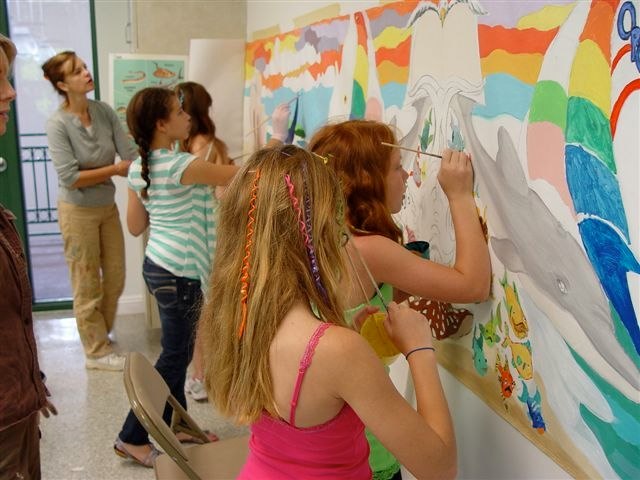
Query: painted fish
(514, 309)
(161, 72)
(457, 140)
(507, 384)
(520, 357)
(534, 408)
(136, 77)
(479, 359)
(493, 326)
(425, 137)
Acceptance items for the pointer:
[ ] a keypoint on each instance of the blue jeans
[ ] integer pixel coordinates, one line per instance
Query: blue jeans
(179, 300)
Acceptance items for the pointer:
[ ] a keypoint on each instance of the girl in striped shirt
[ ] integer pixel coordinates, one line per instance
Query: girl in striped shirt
(169, 192)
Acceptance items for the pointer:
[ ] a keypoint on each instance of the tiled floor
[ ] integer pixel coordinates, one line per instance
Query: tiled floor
(78, 443)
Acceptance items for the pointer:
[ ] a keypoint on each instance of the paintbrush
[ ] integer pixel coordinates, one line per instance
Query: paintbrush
(411, 150)
(233, 159)
(268, 118)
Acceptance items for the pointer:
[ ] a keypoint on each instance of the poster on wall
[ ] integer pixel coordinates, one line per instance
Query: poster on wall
(129, 73)
(545, 96)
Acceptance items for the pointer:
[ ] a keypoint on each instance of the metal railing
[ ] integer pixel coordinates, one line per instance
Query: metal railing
(39, 185)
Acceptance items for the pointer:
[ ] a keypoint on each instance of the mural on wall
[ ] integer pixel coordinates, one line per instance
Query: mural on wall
(545, 96)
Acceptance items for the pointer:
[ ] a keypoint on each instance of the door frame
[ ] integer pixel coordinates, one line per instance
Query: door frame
(11, 184)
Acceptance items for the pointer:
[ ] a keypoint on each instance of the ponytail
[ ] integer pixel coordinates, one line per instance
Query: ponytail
(143, 150)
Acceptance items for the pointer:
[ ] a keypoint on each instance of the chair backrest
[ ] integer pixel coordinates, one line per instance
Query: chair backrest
(148, 394)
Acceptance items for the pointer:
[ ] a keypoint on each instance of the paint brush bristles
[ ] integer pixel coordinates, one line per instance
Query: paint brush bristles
(411, 150)
(269, 117)
(233, 159)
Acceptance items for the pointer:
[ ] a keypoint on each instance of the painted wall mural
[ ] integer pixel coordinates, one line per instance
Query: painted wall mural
(546, 96)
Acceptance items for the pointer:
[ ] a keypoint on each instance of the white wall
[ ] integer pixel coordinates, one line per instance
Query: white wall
(164, 27)
(111, 22)
(488, 447)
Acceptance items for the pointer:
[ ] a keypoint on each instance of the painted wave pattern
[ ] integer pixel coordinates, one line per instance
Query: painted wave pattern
(579, 111)
(308, 61)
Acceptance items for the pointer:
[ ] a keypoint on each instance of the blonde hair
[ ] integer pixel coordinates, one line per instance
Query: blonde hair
(237, 372)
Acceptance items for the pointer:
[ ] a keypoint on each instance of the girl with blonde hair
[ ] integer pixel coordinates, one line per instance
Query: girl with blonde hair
(203, 142)
(278, 354)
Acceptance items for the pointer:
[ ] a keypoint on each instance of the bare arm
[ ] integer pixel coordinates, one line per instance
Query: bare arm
(205, 173)
(469, 279)
(391, 263)
(423, 441)
(279, 125)
(137, 215)
(472, 252)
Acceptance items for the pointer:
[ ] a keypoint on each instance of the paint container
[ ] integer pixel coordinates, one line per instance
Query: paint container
(374, 332)
(419, 247)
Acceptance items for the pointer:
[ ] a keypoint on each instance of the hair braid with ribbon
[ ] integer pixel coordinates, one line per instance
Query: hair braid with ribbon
(305, 225)
(244, 279)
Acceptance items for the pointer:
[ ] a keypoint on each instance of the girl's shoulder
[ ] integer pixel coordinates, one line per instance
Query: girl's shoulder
(374, 244)
(170, 164)
(199, 144)
(339, 346)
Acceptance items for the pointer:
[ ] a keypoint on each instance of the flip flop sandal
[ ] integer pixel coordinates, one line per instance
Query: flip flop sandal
(211, 436)
(147, 461)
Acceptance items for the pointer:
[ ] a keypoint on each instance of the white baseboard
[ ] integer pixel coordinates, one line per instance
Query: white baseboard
(131, 305)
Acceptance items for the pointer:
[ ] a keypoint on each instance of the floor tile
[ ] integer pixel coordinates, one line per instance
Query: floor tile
(92, 404)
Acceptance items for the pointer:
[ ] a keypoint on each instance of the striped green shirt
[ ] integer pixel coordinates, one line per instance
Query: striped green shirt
(182, 234)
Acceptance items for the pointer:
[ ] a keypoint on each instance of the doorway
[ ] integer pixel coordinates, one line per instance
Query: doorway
(40, 28)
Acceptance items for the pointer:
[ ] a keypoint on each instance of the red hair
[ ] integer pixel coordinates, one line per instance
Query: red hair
(354, 152)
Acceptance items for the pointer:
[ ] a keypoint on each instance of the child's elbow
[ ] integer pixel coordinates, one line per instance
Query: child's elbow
(477, 292)
(484, 291)
(135, 232)
(439, 471)
(451, 472)
(136, 229)
(448, 470)
(482, 288)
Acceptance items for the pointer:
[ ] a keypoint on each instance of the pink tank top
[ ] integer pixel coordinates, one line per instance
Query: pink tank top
(336, 449)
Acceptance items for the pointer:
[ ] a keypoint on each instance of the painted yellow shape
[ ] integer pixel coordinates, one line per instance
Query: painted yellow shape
(288, 43)
(249, 71)
(523, 66)
(590, 77)
(521, 358)
(516, 315)
(546, 18)
(390, 72)
(361, 70)
(391, 37)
